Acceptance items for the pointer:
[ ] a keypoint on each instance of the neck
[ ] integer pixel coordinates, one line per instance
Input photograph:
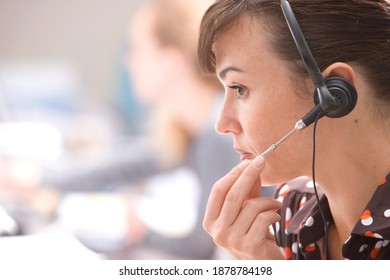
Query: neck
(349, 172)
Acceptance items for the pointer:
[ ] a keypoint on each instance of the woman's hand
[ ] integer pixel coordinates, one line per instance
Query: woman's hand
(237, 217)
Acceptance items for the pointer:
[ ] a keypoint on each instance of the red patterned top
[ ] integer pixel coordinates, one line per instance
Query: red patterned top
(300, 233)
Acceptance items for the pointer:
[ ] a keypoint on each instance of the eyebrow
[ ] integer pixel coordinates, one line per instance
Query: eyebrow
(223, 72)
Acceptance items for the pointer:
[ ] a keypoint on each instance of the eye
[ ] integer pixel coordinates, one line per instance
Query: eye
(240, 90)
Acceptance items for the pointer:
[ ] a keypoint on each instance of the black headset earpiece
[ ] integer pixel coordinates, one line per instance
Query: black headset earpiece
(334, 97)
(344, 95)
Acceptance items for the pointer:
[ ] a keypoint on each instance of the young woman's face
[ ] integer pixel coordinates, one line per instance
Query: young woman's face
(263, 101)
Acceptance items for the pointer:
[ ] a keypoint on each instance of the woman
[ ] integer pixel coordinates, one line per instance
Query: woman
(267, 89)
(164, 69)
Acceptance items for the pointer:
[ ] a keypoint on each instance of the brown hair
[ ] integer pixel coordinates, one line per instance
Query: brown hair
(177, 24)
(336, 31)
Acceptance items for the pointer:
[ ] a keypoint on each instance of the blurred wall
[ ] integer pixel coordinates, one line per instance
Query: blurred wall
(88, 34)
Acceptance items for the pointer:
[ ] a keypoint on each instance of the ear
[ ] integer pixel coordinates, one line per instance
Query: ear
(340, 69)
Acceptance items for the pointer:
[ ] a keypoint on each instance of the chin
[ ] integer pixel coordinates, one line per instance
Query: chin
(272, 177)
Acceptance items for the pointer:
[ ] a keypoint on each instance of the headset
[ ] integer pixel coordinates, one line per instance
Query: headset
(334, 97)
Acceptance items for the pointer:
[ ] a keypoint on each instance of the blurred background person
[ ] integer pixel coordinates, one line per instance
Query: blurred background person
(164, 70)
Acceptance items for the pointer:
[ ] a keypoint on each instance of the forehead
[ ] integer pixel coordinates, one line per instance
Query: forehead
(243, 46)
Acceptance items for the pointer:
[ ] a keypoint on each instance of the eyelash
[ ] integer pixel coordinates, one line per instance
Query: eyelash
(239, 88)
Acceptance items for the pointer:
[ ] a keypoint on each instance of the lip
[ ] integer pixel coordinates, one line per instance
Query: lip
(244, 154)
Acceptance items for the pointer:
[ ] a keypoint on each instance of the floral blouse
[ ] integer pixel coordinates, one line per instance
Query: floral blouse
(300, 232)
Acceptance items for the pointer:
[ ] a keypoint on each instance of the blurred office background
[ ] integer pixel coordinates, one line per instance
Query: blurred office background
(73, 48)
(66, 104)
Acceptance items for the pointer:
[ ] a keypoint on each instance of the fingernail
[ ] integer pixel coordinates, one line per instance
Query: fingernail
(244, 163)
(258, 162)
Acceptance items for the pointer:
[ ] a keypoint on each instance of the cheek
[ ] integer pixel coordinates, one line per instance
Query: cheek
(290, 160)
(265, 125)
(258, 126)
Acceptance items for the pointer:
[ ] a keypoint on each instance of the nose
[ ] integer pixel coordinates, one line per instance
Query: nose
(227, 121)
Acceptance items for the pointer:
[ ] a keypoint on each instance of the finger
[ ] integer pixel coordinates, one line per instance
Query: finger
(261, 235)
(251, 209)
(256, 190)
(218, 193)
(259, 229)
(240, 191)
(270, 234)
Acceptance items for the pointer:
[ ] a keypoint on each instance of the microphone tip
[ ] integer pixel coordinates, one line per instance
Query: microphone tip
(300, 125)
